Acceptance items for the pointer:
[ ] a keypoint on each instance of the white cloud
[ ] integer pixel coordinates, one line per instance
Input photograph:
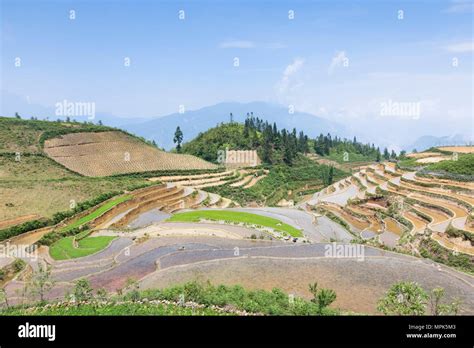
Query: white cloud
(237, 44)
(461, 47)
(460, 6)
(284, 84)
(337, 61)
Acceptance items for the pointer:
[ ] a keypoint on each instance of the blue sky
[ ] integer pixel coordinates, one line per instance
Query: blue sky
(298, 61)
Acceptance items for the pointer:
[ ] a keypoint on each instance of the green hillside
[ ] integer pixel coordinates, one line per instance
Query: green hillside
(464, 165)
(228, 135)
(18, 135)
(273, 145)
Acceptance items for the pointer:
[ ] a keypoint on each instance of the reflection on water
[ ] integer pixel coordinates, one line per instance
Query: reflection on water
(149, 217)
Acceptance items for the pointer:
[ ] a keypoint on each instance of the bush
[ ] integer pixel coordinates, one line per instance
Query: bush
(22, 228)
(404, 298)
(50, 238)
(82, 290)
(274, 302)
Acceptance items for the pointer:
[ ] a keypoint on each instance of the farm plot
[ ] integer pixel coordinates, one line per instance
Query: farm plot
(436, 215)
(465, 185)
(418, 223)
(393, 226)
(237, 217)
(109, 153)
(68, 248)
(96, 213)
(351, 220)
(460, 149)
(415, 188)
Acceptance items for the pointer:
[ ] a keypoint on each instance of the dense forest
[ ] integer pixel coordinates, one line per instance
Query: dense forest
(274, 145)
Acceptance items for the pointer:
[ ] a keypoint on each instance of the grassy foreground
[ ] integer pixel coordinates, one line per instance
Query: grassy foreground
(237, 217)
(192, 298)
(132, 308)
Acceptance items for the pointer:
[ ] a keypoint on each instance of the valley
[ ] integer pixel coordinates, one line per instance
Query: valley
(102, 206)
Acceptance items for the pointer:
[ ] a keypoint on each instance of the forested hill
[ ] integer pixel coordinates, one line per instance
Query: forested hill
(274, 145)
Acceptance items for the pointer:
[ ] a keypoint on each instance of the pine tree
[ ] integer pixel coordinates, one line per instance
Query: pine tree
(267, 151)
(178, 138)
(331, 175)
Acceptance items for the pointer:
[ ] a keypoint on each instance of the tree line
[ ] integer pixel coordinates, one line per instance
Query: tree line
(275, 145)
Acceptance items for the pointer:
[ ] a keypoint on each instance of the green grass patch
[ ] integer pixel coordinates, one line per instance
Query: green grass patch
(237, 217)
(464, 165)
(64, 248)
(113, 309)
(409, 163)
(209, 298)
(96, 213)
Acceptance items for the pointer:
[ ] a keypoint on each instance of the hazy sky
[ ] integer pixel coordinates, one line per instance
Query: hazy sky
(338, 59)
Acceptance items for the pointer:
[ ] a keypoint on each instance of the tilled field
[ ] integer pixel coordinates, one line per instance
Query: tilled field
(109, 153)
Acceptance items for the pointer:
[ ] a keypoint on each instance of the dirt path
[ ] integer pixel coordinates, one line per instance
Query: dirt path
(254, 181)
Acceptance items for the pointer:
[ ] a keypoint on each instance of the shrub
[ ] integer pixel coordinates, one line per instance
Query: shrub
(404, 298)
(82, 290)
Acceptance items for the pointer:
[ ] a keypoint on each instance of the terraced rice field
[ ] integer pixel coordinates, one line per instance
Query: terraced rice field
(456, 209)
(236, 217)
(422, 154)
(393, 226)
(466, 185)
(244, 178)
(434, 159)
(96, 213)
(459, 149)
(109, 153)
(416, 188)
(352, 220)
(418, 223)
(66, 248)
(381, 225)
(448, 243)
(436, 215)
(375, 225)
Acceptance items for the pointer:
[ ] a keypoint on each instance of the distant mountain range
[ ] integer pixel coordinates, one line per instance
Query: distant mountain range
(162, 129)
(425, 142)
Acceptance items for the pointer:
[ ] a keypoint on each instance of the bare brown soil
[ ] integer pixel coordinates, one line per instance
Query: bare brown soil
(460, 149)
(18, 220)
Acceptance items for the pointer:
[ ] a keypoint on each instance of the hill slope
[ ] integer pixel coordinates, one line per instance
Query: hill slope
(26, 136)
(109, 153)
(90, 150)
